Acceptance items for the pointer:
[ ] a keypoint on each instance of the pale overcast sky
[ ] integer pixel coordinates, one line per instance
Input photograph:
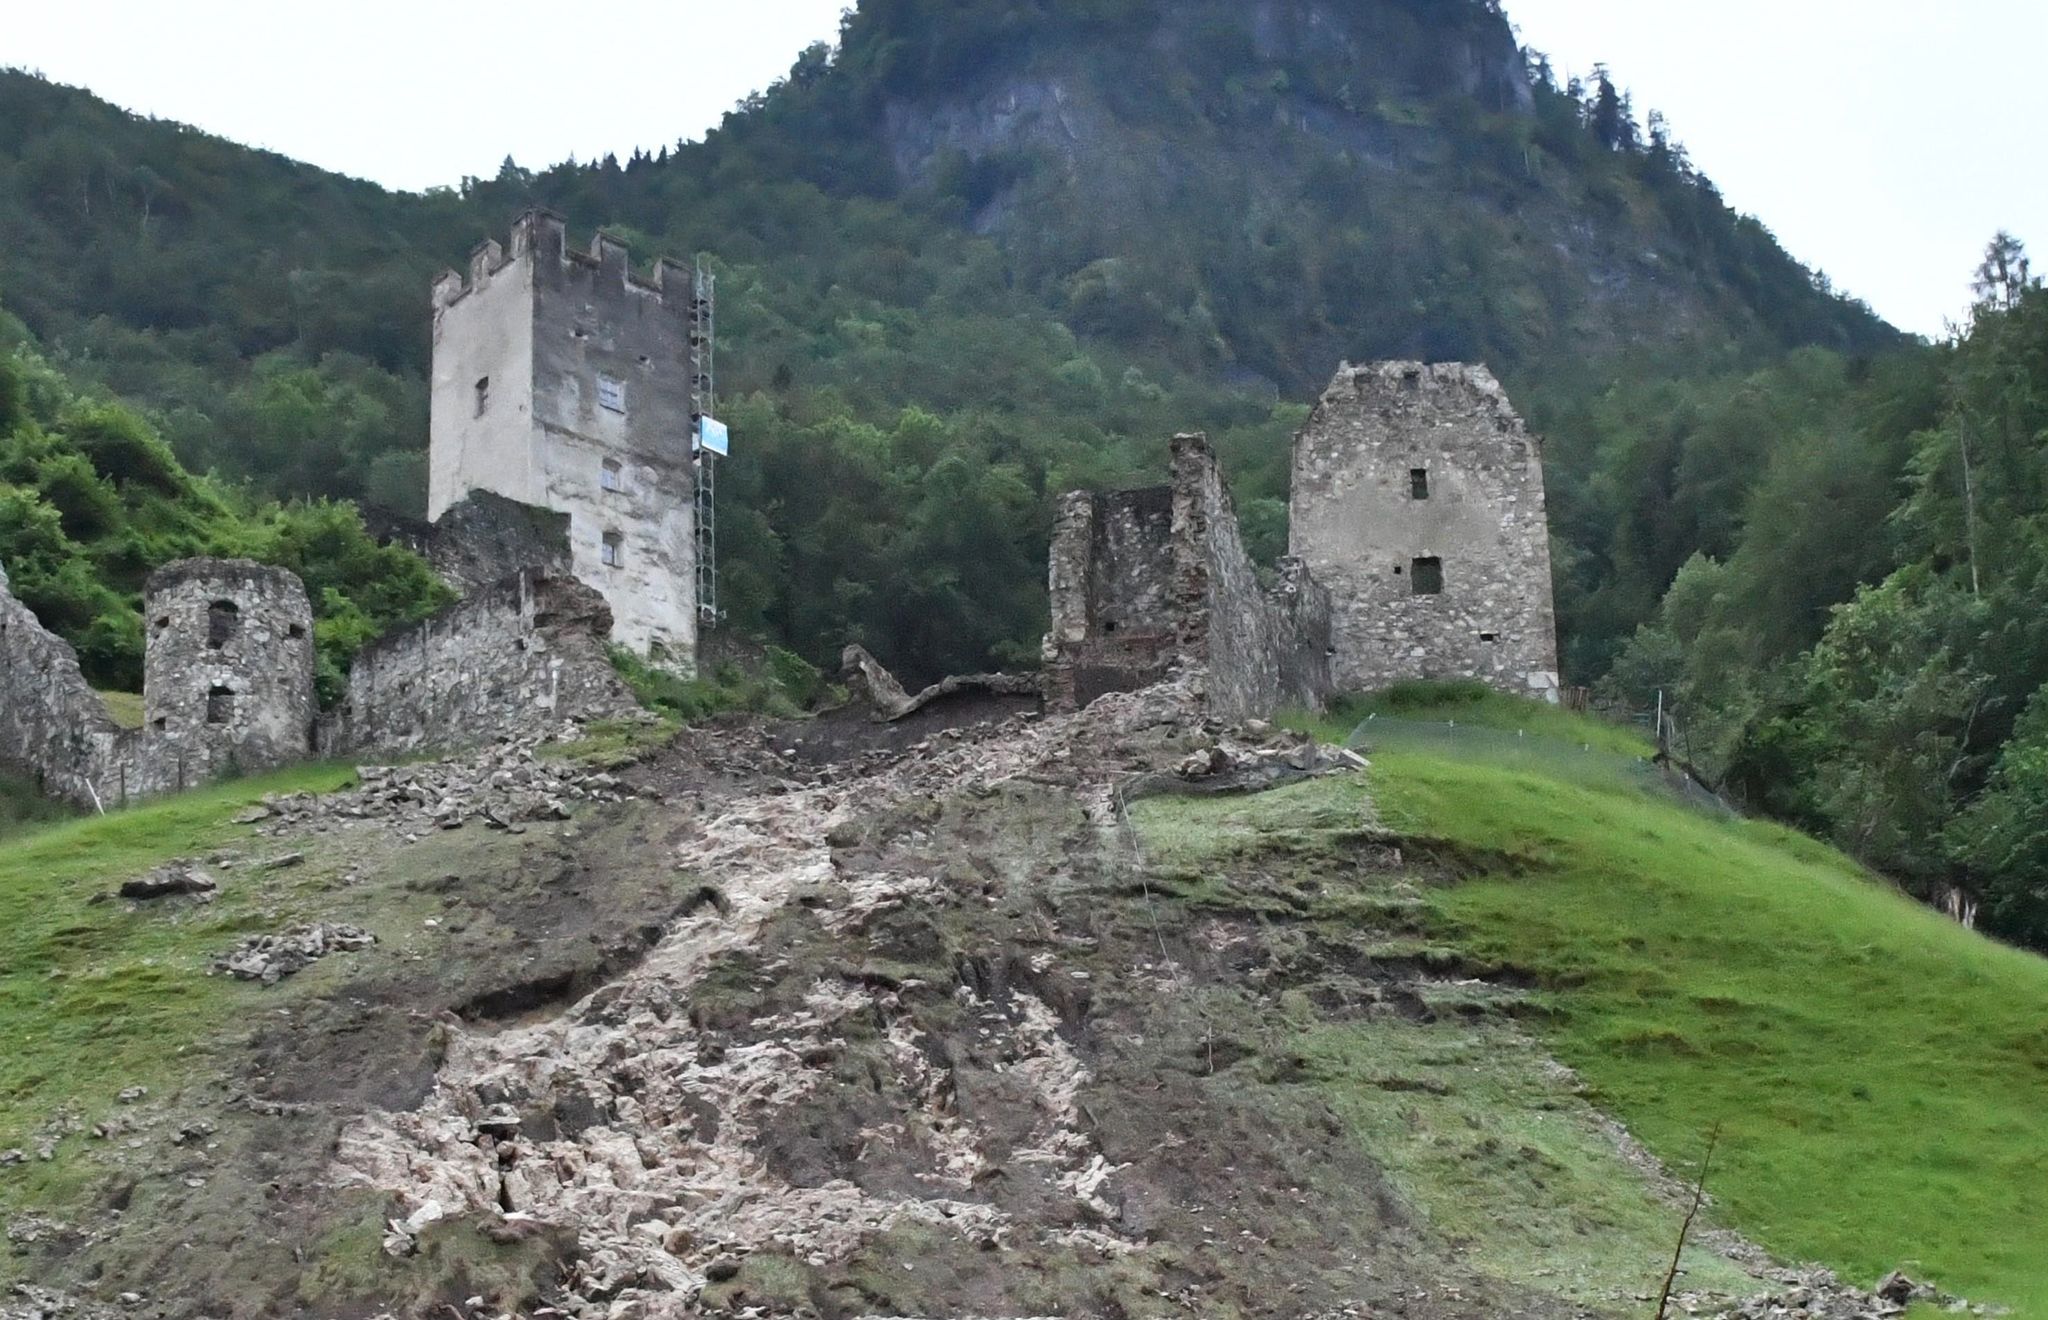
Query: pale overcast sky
(1883, 140)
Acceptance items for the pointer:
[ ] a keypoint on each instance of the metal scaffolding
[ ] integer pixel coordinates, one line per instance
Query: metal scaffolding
(703, 400)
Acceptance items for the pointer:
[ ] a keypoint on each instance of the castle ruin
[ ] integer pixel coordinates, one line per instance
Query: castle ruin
(564, 381)
(1150, 584)
(1420, 549)
(1417, 499)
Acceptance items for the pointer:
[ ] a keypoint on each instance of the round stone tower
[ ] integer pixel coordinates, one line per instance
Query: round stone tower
(228, 673)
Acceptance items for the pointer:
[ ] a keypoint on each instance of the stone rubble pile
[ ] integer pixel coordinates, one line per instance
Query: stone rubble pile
(504, 786)
(1257, 755)
(1815, 1293)
(175, 879)
(271, 958)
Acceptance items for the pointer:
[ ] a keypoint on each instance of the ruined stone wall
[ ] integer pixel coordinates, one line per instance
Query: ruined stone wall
(563, 381)
(228, 673)
(1115, 626)
(483, 538)
(1418, 502)
(1152, 583)
(1263, 648)
(53, 727)
(525, 654)
(210, 710)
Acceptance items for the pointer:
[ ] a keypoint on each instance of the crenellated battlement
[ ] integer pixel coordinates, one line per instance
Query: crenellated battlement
(540, 238)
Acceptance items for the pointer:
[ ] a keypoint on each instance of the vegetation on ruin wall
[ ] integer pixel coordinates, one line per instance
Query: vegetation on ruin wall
(92, 500)
(1879, 1075)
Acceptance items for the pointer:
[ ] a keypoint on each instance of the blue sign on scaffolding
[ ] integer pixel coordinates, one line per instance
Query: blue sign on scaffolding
(712, 437)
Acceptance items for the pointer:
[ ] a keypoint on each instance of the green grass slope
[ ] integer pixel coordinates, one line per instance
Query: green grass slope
(1879, 1075)
(95, 997)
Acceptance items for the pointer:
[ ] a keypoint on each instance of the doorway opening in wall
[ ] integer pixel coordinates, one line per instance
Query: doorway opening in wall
(220, 704)
(612, 551)
(223, 621)
(1418, 483)
(1426, 577)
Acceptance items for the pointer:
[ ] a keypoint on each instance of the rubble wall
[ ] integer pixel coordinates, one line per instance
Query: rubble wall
(1418, 501)
(1149, 584)
(1262, 649)
(525, 654)
(53, 727)
(484, 535)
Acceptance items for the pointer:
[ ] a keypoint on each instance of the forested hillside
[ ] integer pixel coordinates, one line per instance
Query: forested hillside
(1060, 232)
(983, 252)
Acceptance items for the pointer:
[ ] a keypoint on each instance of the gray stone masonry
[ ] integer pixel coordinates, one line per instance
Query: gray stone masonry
(227, 688)
(228, 674)
(563, 381)
(1152, 584)
(53, 727)
(229, 682)
(1418, 502)
(526, 654)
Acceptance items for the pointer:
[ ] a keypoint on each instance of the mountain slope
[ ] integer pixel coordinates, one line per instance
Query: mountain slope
(1063, 231)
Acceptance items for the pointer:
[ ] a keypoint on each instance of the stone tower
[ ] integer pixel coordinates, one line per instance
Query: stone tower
(228, 672)
(1418, 501)
(564, 381)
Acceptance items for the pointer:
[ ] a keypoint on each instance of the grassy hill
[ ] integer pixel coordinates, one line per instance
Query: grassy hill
(1878, 1075)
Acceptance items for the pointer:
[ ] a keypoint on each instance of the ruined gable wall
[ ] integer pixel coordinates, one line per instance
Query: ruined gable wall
(1358, 524)
(1262, 649)
(526, 654)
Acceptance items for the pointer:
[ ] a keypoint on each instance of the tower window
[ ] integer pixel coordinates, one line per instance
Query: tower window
(483, 394)
(611, 394)
(1418, 483)
(220, 704)
(612, 476)
(223, 621)
(1426, 577)
(612, 550)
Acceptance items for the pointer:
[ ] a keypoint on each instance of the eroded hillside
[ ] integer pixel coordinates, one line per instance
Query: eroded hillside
(801, 1026)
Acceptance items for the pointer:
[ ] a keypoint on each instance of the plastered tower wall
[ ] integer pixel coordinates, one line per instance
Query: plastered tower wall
(228, 672)
(1418, 502)
(562, 380)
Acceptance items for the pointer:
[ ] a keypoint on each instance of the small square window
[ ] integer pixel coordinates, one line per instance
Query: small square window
(1426, 577)
(613, 550)
(220, 705)
(1418, 483)
(611, 394)
(612, 475)
(483, 394)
